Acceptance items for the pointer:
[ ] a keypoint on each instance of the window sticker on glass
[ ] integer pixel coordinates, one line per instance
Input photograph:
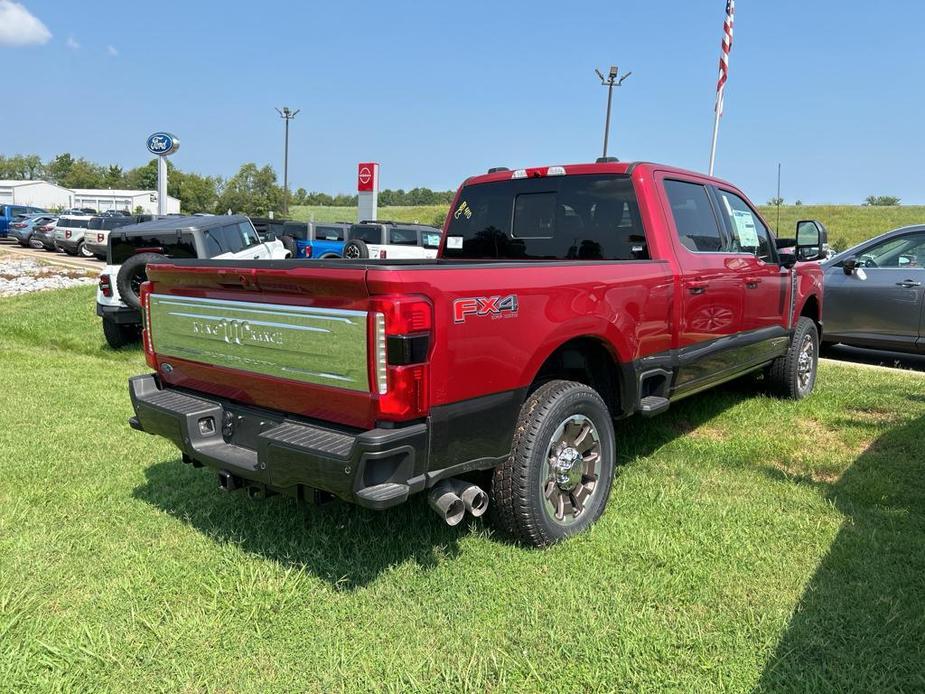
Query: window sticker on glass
(454, 241)
(745, 228)
(463, 211)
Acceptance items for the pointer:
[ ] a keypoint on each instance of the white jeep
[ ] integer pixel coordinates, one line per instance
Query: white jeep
(392, 240)
(131, 248)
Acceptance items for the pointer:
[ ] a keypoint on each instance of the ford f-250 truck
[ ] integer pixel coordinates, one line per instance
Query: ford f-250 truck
(565, 298)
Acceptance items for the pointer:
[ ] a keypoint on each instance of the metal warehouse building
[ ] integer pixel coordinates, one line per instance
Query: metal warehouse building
(103, 199)
(35, 193)
(50, 196)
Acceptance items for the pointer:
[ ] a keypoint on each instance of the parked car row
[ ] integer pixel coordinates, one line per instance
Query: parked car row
(366, 239)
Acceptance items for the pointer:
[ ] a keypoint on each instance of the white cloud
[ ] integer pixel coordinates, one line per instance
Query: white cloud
(72, 43)
(19, 27)
(112, 51)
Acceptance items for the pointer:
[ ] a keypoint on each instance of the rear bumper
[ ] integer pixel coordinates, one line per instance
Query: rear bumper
(119, 314)
(377, 468)
(96, 248)
(68, 244)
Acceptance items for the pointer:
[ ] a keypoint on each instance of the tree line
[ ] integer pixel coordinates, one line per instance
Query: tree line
(253, 190)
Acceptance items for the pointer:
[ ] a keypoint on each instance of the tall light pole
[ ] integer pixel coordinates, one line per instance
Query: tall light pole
(610, 82)
(287, 115)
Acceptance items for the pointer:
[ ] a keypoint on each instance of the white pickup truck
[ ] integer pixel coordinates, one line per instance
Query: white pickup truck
(131, 248)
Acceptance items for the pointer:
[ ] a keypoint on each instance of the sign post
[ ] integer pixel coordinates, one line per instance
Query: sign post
(163, 145)
(367, 190)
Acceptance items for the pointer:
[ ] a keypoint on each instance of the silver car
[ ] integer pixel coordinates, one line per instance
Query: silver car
(874, 293)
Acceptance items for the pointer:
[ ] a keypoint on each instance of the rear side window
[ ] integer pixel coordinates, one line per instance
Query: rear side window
(248, 234)
(213, 243)
(72, 223)
(369, 234)
(586, 217)
(329, 233)
(693, 217)
(403, 237)
(297, 230)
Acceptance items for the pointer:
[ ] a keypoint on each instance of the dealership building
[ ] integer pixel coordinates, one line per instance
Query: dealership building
(50, 196)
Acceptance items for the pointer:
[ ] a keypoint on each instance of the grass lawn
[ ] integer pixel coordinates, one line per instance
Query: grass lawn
(750, 543)
(847, 224)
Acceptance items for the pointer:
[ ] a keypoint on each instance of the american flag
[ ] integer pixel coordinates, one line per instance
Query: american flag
(724, 57)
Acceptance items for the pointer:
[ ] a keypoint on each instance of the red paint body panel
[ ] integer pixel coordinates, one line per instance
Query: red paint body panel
(634, 308)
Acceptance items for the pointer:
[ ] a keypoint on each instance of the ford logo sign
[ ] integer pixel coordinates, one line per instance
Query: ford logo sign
(163, 144)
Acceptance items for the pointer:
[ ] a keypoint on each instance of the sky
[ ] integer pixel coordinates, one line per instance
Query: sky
(436, 92)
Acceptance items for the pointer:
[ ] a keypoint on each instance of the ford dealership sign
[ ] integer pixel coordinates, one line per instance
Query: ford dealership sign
(163, 144)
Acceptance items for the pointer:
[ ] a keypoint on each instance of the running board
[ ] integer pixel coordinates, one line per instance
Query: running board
(652, 405)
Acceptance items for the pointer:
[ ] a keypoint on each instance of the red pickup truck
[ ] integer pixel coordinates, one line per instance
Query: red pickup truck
(564, 298)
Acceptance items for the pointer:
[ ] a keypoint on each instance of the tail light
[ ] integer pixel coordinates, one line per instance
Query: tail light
(106, 286)
(308, 251)
(67, 233)
(19, 225)
(145, 297)
(45, 228)
(381, 253)
(99, 238)
(400, 335)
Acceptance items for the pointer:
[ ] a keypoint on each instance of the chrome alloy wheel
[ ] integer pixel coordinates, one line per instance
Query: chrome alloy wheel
(573, 467)
(806, 363)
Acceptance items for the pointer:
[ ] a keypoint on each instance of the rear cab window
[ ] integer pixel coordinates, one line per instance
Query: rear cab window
(329, 233)
(577, 217)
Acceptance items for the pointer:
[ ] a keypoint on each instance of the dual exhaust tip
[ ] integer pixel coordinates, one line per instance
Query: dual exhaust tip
(451, 499)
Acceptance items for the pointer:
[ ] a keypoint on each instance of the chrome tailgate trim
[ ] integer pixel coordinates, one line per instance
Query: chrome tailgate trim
(312, 345)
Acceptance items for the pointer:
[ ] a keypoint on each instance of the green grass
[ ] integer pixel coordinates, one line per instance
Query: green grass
(749, 543)
(422, 214)
(847, 224)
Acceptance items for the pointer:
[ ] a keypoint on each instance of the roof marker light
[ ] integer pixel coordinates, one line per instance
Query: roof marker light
(555, 171)
(520, 173)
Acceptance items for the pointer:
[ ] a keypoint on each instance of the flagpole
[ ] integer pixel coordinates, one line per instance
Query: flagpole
(715, 134)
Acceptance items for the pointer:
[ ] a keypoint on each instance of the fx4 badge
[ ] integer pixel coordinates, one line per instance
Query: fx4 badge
(481, 306)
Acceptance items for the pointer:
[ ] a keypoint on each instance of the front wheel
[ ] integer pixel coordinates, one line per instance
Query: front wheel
(558, 478)
(793, 375)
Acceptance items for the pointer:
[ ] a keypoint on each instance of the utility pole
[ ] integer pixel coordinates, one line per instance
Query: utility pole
(610, 82)
(777, 231)
(287, 115)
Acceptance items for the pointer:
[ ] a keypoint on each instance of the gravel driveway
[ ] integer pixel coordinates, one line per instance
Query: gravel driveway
(20, 276)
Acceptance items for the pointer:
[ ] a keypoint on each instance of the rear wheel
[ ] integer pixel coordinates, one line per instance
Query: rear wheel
(118, 335)
(356, 249)
(558, 478)
(83, 251)
(132, 275)
(793, 375)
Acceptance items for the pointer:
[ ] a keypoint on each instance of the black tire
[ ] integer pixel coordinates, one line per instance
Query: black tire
(24, 244)
(290, 245)
(356, 250)
(118, 335)
(82, 250)
(524, 493)
(132, 274)
(793, 375)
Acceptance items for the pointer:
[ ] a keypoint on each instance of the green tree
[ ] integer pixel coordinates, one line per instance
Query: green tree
(196, 193)
(84, 174)
(881, 200)
(58, 168)
(252, 190)
(21, 167)
(114, 178)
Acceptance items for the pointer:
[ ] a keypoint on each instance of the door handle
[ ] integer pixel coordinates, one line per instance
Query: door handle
(908, 284)
(752, 284)
(697, 288)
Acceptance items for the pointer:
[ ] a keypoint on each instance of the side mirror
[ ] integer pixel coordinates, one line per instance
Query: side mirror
(849, 265)
(811, 239)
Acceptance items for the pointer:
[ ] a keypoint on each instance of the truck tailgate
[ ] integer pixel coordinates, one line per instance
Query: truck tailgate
(293, 339)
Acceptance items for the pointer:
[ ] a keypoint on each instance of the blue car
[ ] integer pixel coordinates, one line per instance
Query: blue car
(22, 227)
(9, 212)
(314, 239)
